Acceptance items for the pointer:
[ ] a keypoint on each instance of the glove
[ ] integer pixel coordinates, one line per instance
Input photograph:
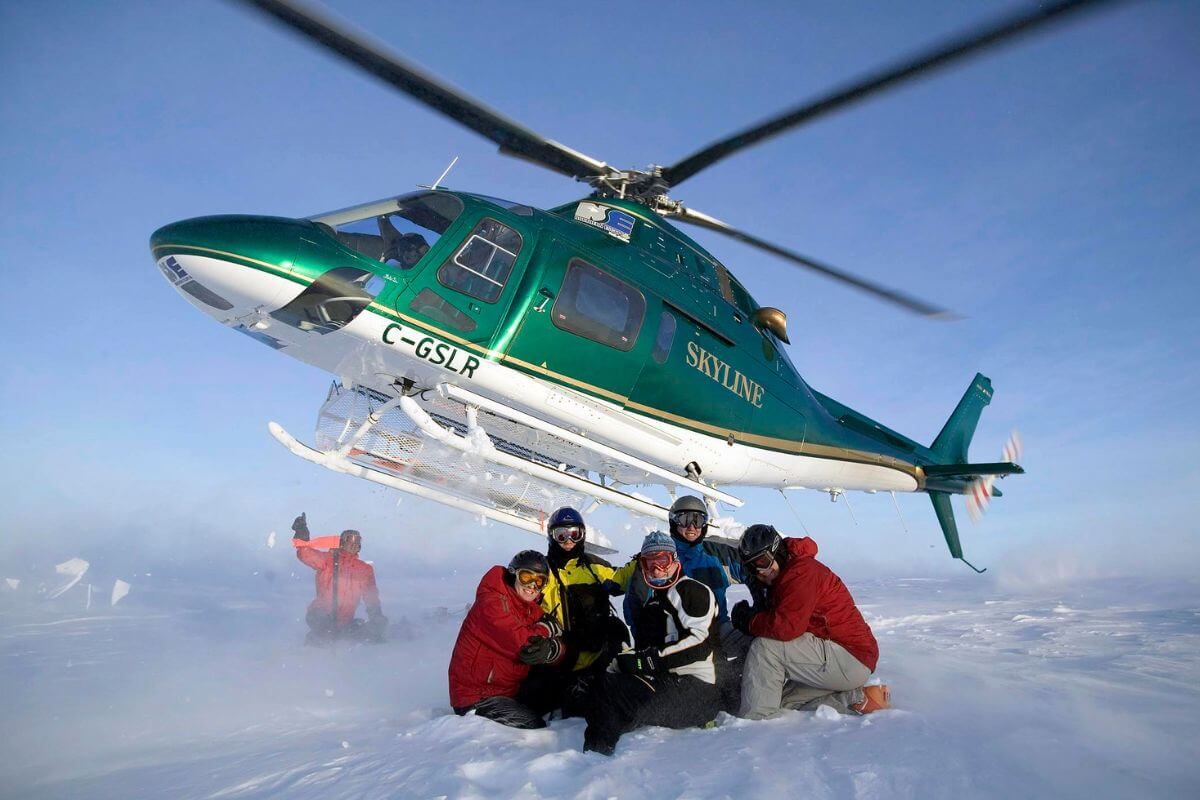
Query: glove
(740, 616)
(540, 650)
(551, 624)
(300, 527)
(639, 661)
(612, 588)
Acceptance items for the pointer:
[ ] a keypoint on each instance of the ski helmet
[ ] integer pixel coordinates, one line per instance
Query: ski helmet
(566, 525)
(528, 561)
(658, 552)
(565, 516)
(760, 540)
(688, 509)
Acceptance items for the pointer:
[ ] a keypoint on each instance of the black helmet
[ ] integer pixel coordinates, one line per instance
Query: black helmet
(758, 540)
(349, 537)
(530, 560)
(683, 509)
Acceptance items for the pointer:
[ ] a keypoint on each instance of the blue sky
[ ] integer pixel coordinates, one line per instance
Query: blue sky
(1049, 192)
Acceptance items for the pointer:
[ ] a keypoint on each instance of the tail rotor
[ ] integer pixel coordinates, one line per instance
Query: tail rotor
(981, 491)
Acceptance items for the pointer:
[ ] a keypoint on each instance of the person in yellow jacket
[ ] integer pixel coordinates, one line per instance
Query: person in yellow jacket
(577, 595)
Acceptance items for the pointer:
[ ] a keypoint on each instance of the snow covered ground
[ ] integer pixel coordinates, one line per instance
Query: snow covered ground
(187, 690)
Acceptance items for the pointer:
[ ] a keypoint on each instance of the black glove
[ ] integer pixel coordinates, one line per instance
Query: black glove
(551, 624)
(740, 616)
(540, 650)
(644, 661)
(613, 588)
(300, 527)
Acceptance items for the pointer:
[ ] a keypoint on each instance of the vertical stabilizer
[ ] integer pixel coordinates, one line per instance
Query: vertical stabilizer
(951, 444)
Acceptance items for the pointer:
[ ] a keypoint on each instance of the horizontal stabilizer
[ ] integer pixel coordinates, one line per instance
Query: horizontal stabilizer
(973, 470)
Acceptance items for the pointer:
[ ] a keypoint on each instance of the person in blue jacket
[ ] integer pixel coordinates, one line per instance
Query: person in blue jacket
(717, 566)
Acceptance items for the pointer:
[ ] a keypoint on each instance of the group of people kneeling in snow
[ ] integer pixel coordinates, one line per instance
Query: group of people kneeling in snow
(542, 635)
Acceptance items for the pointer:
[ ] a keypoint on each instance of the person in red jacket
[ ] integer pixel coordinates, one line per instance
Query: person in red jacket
(504, 634)
(811, 645)
(342, 580)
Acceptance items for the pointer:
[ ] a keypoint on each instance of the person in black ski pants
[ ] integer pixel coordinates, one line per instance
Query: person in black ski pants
(670, 678)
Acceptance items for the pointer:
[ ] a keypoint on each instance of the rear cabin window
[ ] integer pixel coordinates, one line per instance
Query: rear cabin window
(597, 306)
(666, 335)
(481, 265)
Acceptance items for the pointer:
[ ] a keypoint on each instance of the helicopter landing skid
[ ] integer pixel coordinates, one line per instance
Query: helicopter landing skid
(438, 448)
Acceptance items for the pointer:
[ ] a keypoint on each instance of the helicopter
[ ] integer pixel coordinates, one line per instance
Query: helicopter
(506, 360)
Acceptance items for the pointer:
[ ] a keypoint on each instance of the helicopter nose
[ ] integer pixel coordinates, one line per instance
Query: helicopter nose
(232, 265)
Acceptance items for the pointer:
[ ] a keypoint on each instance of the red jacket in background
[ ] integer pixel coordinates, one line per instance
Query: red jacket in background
(356, 580)
(484, 662)
(808, 598)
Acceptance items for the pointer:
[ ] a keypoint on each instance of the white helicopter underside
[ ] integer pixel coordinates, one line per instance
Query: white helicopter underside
(484, 436)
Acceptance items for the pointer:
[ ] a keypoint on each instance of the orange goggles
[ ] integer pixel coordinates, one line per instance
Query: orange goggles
(527, 577)
(657, 562)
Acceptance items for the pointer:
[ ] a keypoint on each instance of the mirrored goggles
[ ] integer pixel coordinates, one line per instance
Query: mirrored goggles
(661, 561)
(567, 533)
(689, 519)
(761, 562)
(527, 577)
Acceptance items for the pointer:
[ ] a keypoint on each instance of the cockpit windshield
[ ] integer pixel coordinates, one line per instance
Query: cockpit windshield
(398, 231)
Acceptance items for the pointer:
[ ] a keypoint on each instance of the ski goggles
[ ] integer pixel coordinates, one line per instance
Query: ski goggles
(527, 577)
(689, 519)
(567, 533)
(761, 562)
(661, 561)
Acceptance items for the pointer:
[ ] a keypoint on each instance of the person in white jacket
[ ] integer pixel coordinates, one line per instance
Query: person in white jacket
(669, 679)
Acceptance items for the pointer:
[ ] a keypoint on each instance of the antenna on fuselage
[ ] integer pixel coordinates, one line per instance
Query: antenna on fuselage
(445, 172)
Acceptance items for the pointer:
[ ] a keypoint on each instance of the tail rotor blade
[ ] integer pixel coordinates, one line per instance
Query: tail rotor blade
(980, 492)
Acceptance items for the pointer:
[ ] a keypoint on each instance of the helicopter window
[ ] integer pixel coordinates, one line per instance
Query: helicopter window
(480, 267)
(666, 335)
(431, 304)
(332, 301)
(402, 234)
(597, 306)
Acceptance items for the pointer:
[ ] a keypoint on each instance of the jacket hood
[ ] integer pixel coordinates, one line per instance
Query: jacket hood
(800, 547)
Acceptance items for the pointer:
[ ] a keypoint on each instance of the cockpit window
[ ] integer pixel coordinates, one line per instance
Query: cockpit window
(332, 301)
(397, 232)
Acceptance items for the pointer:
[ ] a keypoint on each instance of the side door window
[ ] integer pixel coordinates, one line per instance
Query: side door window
(598, 306)
(482, 264)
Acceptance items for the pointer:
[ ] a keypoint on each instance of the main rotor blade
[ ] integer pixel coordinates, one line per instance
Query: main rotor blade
(890, 295)
(513, 138)
(939, 55)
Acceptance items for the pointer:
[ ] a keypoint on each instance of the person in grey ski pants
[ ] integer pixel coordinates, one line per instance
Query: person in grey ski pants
(802, 674)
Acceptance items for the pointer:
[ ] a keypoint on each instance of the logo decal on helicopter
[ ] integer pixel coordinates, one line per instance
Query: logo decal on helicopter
(612, 221)
(437, 353)
(722, 373)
